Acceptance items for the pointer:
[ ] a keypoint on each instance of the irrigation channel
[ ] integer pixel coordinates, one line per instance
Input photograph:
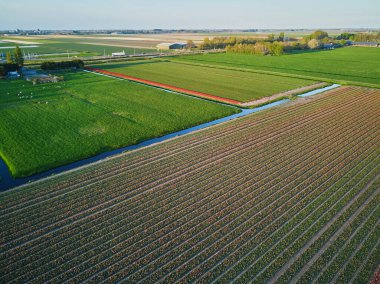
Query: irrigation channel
(8, 182)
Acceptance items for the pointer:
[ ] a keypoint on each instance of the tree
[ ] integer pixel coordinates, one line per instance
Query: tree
(314, 44)
(319, 35)
(19, 58)
(343, 42)
(9, 57)
(271, 37)
(277, 49)
(345, 36)
(190, 44)
(206, 43)
(281, 37)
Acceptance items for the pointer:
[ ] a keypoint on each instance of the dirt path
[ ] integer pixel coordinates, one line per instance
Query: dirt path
(291, 261)
(285, 94)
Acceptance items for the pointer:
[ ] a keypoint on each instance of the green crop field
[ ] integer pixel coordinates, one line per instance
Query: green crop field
(237, 85)
(354, 64)
(47, 125)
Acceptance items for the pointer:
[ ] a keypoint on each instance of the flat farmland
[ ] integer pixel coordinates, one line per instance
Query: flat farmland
(352, 64)
(80, 47)
(287, 194)
(49, 125)
(230, 84)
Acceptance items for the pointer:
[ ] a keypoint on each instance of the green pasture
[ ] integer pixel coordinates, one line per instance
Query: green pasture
(237, 85)
(48, 125)
(353, 65)
(56, 46)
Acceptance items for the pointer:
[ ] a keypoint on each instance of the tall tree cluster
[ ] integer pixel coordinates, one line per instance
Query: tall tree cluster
(15, 58)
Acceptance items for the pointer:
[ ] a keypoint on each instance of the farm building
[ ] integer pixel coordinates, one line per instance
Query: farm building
(168, 46)
(119, 53)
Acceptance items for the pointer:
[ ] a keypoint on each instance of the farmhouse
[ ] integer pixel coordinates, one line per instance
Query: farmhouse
(169, 46)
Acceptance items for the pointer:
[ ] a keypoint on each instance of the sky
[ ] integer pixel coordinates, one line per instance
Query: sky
(188, 14)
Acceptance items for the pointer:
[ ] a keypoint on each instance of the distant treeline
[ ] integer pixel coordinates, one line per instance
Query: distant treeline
(262, 48)
(223, 42)
(360, 37)
(50, 65)
(277, 45)
(272, 45)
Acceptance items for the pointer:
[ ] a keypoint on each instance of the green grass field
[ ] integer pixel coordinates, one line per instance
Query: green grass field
(354, 64)
(48, 125)
(237, 85)
(62, 45)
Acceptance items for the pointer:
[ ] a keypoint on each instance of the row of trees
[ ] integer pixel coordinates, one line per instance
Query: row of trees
(261, 48)
(365, 37)
(13, 63)
(318, 35)
(361, 37)
(272, 45)
(50, 65)
(277, 45)
(223, 42)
